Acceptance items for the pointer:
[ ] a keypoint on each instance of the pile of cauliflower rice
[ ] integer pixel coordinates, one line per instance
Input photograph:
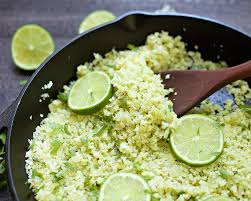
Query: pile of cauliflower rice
(71, 155)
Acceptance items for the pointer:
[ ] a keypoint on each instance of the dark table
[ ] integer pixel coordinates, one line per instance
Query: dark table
(62, 18)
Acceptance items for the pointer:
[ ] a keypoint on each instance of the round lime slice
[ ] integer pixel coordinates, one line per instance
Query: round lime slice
(90, 93)
(216, 198)
(94, 19)
(197, 140)
(31, 45)
(126, 187)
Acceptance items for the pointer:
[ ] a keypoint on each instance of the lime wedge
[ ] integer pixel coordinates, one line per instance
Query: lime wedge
(90, 93)
(197, 140)
(126, 187)
(31, 45)
(216, 198)
(94, 19)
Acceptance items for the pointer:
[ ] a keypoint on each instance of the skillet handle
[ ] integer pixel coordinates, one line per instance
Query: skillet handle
(6, 116)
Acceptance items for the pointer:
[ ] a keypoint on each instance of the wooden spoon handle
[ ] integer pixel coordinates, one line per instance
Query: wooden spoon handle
(220, 78)
(238, 72)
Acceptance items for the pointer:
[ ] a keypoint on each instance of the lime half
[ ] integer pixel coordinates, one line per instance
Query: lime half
(94, 19)
(197, 140)
(216, 198)
(31, 45)
(90, 93)
(126, 187)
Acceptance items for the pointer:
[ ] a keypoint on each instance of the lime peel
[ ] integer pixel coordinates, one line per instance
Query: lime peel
(215, 198)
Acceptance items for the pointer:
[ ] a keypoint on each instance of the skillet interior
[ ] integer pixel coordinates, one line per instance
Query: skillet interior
(132, 28)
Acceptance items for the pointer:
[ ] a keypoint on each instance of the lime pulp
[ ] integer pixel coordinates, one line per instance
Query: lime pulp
(90, 93)
(197, 140)
(31, 45)
(94, 19)
(126, 187)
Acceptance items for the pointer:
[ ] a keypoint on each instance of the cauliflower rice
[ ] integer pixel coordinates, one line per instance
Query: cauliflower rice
(69, 160)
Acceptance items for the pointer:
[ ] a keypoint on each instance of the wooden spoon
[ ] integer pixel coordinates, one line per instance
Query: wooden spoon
(193, 86)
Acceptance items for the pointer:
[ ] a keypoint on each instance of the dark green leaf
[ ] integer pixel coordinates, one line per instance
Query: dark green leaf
(3, 137)
(1, 152)
(224, 174)
(246, 108)
(123, 102)
(63, 96)
(35, 173)
(66, 129)
(95, 190)
(3, 184)
(3, 179)
(2, 167)
(55, 145)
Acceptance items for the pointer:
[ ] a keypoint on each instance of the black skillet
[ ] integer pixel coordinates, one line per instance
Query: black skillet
(215, 40)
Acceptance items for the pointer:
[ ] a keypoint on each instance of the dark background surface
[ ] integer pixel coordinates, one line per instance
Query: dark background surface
(62, 17)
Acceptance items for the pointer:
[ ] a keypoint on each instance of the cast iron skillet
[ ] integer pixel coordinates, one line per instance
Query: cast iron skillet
(213, 38)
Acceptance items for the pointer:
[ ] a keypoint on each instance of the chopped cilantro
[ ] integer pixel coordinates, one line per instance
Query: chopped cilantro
(3, 178)
(23, 82)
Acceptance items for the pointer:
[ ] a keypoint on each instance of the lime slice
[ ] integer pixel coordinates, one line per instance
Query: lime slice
(126, 187)
(31, 45)
(90, 93)
(197, 140)
(216, 198)
(94, 19)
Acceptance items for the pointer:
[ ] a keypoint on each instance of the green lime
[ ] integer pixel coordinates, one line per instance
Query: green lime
(197, 140)
(126, 187)
(94, 19)
(216, 198)
(90, 93)
(31, 45)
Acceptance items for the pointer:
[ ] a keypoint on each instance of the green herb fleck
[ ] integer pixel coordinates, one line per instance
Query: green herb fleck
(35, 173)
(224, 174)
(132, 47)
(55, 145)
(3, 177)
(110, 65)
(246, 108)
(155, 199)
(63, 96)
(2, 167)
(23, 82)
(3, 138)
(95, 191)
(60, 175)
(66, 129)
(99, 131)
(123, 102)
(147, 191)
(70, 167)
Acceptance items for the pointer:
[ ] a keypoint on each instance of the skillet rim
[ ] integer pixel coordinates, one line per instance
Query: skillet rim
(16, 103)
